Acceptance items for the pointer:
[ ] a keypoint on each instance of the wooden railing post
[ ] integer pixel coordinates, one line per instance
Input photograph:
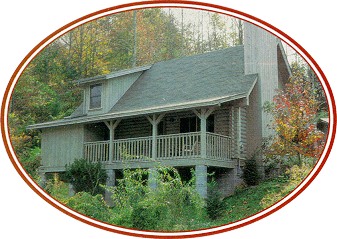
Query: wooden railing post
(155, 121)
(112, 125)
(203, 115)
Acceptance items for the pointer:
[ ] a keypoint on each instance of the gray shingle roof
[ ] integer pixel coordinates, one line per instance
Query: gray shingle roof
(78, 112)
(112, 75)
(196, 78)
(193, 81)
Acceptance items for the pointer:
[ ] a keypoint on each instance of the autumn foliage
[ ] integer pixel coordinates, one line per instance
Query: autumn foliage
(294, 112)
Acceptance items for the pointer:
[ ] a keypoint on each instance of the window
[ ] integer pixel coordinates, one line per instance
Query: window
(161, 128)
(210, 124)
(192, 124)
(95, 96)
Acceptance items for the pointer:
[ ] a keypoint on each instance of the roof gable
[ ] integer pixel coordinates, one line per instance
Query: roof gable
(195, 81)
(186, 80)
(111, 75)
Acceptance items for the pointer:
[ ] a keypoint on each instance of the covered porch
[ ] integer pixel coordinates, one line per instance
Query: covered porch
(167, 147)
(205, 136)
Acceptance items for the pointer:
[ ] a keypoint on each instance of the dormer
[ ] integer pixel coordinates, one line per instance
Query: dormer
(101, 93)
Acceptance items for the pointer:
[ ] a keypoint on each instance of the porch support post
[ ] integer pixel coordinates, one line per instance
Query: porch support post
(42, 179)
(236, 118)
(203, 115)
(154, 140)
(203, 136)
(239, 133)
(155, 120)
(152, 178)
(233, 142)
(71, 190)
(112, 125)
(201, 180)
(110, 182)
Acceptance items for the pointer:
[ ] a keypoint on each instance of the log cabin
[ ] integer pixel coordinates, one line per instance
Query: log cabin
(202, 111)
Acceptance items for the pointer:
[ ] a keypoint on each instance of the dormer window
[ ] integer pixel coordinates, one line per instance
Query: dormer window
(95, 96)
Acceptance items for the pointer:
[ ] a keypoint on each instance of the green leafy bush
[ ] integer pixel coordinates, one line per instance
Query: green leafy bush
(147, 215)
(295, 175)
(91, 206)
(86, 176)
(172, 205)
(57, 188)
(31, 161)
(215, 207)
(250, 174)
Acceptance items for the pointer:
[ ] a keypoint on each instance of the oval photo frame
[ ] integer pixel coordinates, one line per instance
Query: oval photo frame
(202, 232)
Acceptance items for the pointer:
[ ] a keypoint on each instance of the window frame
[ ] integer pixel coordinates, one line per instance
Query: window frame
(94, 105)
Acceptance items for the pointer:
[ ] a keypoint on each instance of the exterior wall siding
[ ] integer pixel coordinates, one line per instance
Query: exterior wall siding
(225, 181)
(261, 57)
(112, 91)
(239, 132)
(254, 125)
(141, 127)
(133, 128)
(243, 140)
(95, 132)
(61, 145)
(117, 87)
(172, 121)
(222, 121)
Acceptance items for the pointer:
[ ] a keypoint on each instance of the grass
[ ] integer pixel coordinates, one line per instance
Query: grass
(243, 203)
(246, 202)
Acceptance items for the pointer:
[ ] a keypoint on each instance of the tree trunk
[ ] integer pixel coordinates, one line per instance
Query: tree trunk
(134, 26)
(182, 32)
(240, 29)
(299, 159)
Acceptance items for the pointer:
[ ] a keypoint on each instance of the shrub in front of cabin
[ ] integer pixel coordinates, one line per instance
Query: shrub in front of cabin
(172, 206)
(91, 206)
(250, 172)
(86, 176)
(215, 207)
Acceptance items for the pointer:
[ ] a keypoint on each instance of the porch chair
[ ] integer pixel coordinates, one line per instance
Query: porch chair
(192, 149)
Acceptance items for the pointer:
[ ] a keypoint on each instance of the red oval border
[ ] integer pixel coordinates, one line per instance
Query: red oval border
(6, 95)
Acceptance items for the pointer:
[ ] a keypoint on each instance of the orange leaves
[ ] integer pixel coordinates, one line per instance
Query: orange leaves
(294, 112)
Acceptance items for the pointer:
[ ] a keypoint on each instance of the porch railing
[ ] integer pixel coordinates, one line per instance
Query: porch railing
(178, 145)
(97, 151)
(218, 146)
(174, 146)
(132, 149)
